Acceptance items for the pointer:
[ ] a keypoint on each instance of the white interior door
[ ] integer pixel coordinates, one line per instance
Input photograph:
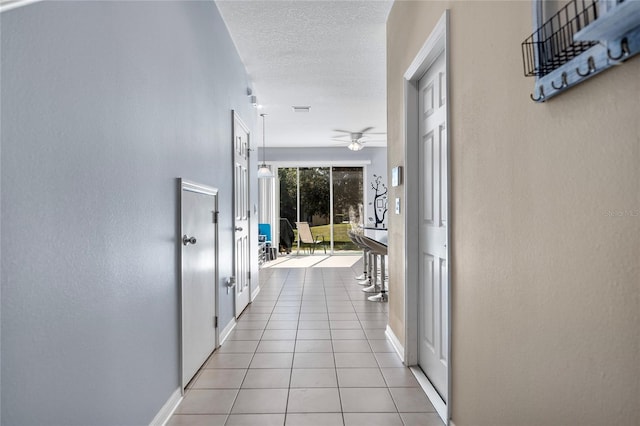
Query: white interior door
(433, 279)
(198, 242)
(241, 214)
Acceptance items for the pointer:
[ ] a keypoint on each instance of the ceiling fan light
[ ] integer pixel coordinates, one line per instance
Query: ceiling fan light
(355, 146)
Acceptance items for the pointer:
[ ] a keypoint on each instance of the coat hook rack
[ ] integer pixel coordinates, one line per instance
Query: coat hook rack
(591, 64)
(540, 97)
(563, 82)
(624, 50)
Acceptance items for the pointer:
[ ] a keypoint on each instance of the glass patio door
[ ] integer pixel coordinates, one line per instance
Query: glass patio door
(322, 197)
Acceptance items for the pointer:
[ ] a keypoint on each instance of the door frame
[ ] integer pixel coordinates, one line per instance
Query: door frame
(187, 185)
(436, 44)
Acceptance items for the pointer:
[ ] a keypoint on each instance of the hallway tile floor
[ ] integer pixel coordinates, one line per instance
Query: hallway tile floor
(310, 350)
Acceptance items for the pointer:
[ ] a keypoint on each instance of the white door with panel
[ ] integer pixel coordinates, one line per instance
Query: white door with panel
(433, 280)
(199, 253)
(242, 246)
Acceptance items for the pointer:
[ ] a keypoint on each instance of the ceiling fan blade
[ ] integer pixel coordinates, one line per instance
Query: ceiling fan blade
(365, 130)
(342, 131)
(376, 133)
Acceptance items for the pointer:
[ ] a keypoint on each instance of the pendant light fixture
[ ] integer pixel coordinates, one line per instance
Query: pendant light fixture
(264, 172)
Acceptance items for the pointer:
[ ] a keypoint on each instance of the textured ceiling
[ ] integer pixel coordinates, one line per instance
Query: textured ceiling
(329, 55)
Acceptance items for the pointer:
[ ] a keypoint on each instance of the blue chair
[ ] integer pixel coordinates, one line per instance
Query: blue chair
(264, 235)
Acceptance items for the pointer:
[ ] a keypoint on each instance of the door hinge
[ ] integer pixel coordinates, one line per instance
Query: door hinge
(249, 214)
(215, 216)
(215, 322)
(249, 275)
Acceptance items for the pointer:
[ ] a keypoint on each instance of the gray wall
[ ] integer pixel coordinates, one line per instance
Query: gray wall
(377, 157)
(104, 105)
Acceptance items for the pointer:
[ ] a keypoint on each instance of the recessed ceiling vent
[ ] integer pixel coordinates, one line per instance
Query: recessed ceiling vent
(301, 108)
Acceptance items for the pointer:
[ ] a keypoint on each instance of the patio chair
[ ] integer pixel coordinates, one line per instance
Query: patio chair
(307, 240)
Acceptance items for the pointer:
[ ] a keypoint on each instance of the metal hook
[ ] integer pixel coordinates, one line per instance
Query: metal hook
(591, 63)
(624, 50)
(539, 98)
(563, 83)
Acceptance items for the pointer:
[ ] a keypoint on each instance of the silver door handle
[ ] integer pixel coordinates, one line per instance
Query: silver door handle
(188, 240)
(239, 228)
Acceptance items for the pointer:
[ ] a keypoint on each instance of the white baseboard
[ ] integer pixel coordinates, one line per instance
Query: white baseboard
(255, 293)
(167, 409)
(395, 342)
(431, 392)
(451, 423)
(227, 330)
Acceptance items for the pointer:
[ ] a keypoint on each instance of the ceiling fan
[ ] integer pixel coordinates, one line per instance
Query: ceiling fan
(356, 139)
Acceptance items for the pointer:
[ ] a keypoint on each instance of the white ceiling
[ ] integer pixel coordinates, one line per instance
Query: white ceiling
(329, 55)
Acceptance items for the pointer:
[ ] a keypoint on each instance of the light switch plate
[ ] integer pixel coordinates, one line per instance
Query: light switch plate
(397, 205)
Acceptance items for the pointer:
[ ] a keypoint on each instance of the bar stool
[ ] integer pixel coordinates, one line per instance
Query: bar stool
(366, 253)
(377, 249)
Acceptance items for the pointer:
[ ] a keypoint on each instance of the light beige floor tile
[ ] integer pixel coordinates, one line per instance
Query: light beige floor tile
(260, 401)
(314, 317)
(314, 419)
(351, 346)
(313, 325)
(389, 360)
(255, 317)
(272, 360)
(345, 325)
(399, 378)
(341, 316)
(313, 400)
(411, 400)
(313, 335)
(421, 419)
(238, 346)
(360, 378)
(355, 360)
(381, 346)
(282, 325)
(376, 334)
(371, 325)
(314, 346)
(348, 335)
(245, 335)
(197, 420)
(313, 378)
(276, 346)
(279, 335)
(372, 419)
(255, 420)
(284, 317)
(218, 360)
(366, 400)
(251, 325)
(313, 360)
(207, 401)
(220, 378)
(262, 378)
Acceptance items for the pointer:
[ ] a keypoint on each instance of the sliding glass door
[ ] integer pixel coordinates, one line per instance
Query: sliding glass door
(323, 197)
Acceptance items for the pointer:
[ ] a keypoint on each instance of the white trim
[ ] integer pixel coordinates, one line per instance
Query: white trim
(432, 394)
(395, 342)
(435, 45)
(7, 5)
(227, 330)
(328, 163)
(167, 409)
(255, 293)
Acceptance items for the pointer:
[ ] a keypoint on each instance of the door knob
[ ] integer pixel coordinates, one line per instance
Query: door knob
(239, 228)
(188, 240)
